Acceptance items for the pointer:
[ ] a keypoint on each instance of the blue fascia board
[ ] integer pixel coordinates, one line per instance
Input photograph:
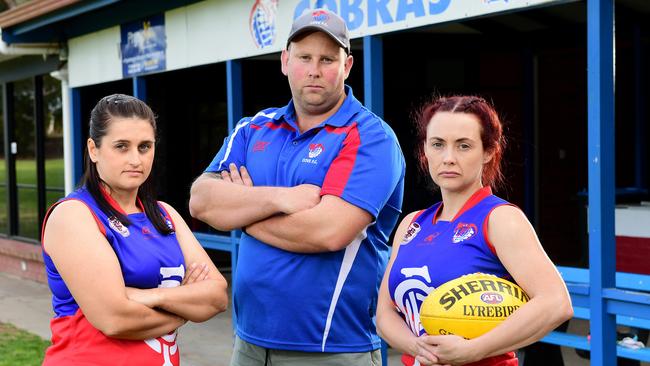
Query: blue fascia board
(60, 15)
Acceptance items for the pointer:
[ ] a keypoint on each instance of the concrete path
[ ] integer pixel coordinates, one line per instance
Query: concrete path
(26, 304)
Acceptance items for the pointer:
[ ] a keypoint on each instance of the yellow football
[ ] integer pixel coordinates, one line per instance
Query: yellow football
(470, 305)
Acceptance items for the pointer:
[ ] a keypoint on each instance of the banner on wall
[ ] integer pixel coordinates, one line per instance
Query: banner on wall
(211, 31)
(143, 46)
(270, 20)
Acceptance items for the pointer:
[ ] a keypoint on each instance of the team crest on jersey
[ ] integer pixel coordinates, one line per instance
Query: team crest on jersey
(117, 225)
(262, 22)
(411, 232)
(463, 232)
(314, 151)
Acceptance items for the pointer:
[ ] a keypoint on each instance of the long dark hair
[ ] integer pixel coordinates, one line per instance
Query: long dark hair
(491, 131)
(121, 106)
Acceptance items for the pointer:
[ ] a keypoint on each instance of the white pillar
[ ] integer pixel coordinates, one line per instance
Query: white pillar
(62, 75)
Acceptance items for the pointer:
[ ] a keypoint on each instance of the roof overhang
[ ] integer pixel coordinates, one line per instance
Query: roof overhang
(56, 21)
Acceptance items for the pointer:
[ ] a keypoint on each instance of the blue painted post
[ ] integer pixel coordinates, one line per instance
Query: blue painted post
(140, 88)
(373, 90)
(641, 160)
(78, 145)
(235, 113)
(530, 146)
(235, 94)
(602, 250)
(373, 74)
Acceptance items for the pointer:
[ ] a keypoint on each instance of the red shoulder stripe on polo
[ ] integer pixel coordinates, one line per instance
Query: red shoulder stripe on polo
(339, 173)
(283, 125)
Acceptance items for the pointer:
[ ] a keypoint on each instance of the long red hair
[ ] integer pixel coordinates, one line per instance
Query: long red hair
(491, 131)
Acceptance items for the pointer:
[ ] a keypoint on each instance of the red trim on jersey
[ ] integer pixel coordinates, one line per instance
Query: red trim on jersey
(434, 218)
(342, 166)
(477, 197)
(256, 127)
(283, 124)
(116, 205)
(167, 215)
(415, 217)
(102, 229)
(506, 359)
(485, 228)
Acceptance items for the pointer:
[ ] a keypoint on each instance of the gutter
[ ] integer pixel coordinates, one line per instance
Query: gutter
(24, 49)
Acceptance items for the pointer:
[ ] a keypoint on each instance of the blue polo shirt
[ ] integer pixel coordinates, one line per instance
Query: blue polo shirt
(316, 302)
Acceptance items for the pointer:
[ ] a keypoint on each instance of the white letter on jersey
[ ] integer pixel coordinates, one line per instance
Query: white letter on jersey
(169, 272)
(410, 293)
(167, 343)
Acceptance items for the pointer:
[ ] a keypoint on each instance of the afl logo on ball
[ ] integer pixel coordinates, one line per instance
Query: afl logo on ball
(262, 22)
(491, 298)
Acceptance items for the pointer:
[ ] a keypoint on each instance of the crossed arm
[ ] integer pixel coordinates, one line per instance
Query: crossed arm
(202, 294)
(91, 271)
(295, 219)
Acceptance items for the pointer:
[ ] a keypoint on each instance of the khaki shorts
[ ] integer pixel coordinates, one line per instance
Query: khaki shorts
(247, 354)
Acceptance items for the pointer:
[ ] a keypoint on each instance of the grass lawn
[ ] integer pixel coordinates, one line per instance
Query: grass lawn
(18, 347)
(27, 206)
(26, 172)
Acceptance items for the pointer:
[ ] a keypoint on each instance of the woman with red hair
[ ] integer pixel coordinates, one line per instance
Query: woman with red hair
(460, 145)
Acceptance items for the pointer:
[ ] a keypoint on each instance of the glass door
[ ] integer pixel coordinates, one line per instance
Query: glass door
(53, 141)
(3, 169)
(26, 180)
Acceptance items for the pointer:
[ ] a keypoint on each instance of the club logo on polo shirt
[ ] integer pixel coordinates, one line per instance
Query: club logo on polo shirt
(314, 151)
(116, 225)
(463, 232)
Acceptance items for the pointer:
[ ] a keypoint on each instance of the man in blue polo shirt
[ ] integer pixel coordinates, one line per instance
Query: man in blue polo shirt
(317, 187)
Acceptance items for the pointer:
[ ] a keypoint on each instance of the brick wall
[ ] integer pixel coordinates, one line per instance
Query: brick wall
(22, 259)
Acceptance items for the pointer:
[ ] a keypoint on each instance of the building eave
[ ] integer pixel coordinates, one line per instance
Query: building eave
(32, 10)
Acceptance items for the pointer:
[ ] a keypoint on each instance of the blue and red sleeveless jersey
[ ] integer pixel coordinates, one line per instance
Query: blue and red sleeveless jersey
(316, 302)
(148, 259)
(433, 252)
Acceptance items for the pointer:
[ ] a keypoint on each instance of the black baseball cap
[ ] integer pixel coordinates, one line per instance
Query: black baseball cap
(325, 21)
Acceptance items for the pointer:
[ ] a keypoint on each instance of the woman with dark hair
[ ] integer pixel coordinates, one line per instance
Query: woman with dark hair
(125, 271)
(460, 145)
